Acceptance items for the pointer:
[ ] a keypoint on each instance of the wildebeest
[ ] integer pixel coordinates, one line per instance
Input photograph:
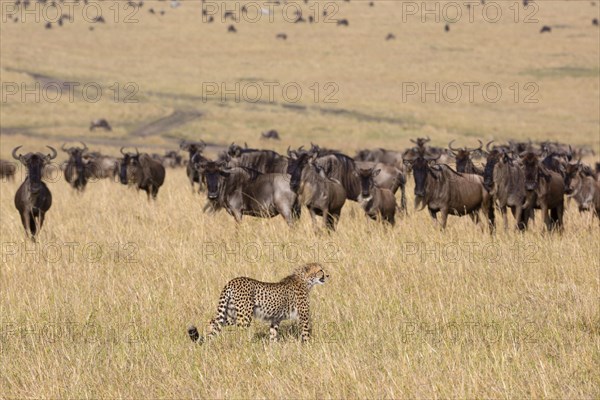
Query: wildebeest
(33, 198)
(100, 123)
(76, 171)
(584, 188)
(544, 189)
(422, 149)
(102, 166)
(322, 195)
(343, 22)
(378, 204)
(505, 180)
(390, 36)
(272, 134)
(463, 158)
(545, 28)
(171, 159)
(141, 170)
(8, 170)
(264, 161)
(380, 155)
(444, 190)
(281, 36)
(194, 150)
(243, 191)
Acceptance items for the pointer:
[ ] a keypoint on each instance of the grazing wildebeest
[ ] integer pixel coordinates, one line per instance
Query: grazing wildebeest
(272, 134)
(390, 36)
(244, 191)
(584, 188)
(33, 198)
(544, 190)
(322, 195)
(77, 172)
(7, 170)
(141, 170)
(379, 204)
(281, 36)
(505, 180)
(100, 123)
(343, 22)
(464, 164)
(444, 190)
(231, 29)
(194, 149)
(545, 28)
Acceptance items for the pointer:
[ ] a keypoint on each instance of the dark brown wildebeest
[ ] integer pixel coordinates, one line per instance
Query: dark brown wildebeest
(505, 180)
(77, 172)
(422, 149)
(584, 188)
(243, 191)
(171, 159)
(272, 134)
(444, 190)
(281, 36)
(141, 170)
(100, 123)
(322, 195)
(390, 36)
(544, 189)
(379, 204)
(545, 28)
(194, 149)
(343, 22)
(231, 29)
(464, 164)
(264, 161)
(33, 198)
(8, 170)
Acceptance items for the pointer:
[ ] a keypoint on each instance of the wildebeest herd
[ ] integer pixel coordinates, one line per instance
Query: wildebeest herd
(521, 176)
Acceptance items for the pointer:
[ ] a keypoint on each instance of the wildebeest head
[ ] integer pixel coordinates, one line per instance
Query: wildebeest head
(463, 155)
(532, 170)
(493, 155)
(421, 170)
(572, 170)
(421, 142)
(76, 156)
(366, 181)
(129, 164)
(214, 173)
(297, 162)
(34, 162)
(192, 147)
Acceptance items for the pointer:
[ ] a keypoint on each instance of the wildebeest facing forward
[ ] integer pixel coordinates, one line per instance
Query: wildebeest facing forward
(76, 172)
(379, 204)
(194, 150)
(505, 180)
(463, 158)
(33, 198)
(143, 171)
(322, 195)
(444, 190)
(544, 190)
(584, 188)
(243, 191)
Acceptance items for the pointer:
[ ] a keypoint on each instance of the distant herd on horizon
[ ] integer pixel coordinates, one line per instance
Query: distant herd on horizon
(521, 176)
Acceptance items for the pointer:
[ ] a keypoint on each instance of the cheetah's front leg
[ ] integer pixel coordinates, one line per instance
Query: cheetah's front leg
(304, 318)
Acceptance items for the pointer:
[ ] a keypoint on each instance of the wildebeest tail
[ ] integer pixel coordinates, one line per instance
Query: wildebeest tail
(32, 224)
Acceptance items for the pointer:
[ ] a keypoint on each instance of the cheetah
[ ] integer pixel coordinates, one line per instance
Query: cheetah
(242, 298)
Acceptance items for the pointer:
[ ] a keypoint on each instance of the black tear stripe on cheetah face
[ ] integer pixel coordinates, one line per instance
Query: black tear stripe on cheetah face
(243, 298)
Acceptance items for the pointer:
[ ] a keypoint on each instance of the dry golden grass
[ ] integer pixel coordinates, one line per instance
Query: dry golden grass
(100, 307)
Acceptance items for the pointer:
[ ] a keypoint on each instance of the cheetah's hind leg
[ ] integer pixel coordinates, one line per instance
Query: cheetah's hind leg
(195, 335)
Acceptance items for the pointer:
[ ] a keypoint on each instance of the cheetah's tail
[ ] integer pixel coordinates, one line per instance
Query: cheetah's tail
(195, 335)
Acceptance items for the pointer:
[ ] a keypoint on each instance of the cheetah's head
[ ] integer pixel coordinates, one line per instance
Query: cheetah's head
(313, 274)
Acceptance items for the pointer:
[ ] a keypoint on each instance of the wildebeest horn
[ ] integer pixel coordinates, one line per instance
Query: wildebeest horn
(487, 146)
(122, 151)
(63, 148)
(412, 140)
(478, 148)
(14, 153)
(288, 151)
(427, 139)
(84, 146)
(450, 146)
(193, 160)
(54, 153)
(137, 151)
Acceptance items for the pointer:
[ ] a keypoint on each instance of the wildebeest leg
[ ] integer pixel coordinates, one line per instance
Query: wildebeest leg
(444, 212)
(518, 214)
(434, 216)
(403, 199)
(332, 220)
(313, 217)
(546, 217)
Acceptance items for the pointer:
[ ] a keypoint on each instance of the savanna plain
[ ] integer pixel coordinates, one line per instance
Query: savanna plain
(98, 307)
